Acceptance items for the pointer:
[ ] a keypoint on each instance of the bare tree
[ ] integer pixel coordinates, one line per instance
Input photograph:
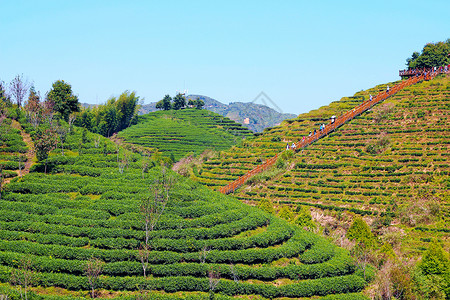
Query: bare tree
(97, 142)
(204, 253)
(214, 279)
(61, 131)
(362, 254)
(235, 273)
(92, 269)
(19, 88)
(72, 118)
(143, 294)
(144, 255)
(34, 119)
(23, 276)
(48, 109)
(152, 207)
(122, 161)
(122, 164)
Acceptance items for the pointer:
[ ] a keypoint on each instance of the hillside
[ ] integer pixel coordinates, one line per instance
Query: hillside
(259, 116)
(180, 132)
(389, 165)
(88, 211)
(13, 149)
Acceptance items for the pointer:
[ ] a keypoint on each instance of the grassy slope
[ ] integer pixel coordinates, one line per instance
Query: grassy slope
(87, 208)
(409, 178)
(185, 131)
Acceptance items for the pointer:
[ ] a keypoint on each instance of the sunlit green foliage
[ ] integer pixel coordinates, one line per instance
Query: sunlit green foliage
(432, 55)
(435, 261)
(65, 102)
(303, 217)
(267, 206)
(165, 103)
(360, 232)
(116, 115)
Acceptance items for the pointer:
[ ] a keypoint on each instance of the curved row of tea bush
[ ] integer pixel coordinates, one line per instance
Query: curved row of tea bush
(313, 287)
(293, 247)
(275, 234)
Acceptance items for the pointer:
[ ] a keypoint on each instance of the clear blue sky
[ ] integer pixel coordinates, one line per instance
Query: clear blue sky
(302, 54)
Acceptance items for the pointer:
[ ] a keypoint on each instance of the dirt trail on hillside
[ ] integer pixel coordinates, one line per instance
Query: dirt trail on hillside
(29, 154)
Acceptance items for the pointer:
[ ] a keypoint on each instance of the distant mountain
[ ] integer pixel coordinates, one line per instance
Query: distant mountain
(254, 116)
(87, 105)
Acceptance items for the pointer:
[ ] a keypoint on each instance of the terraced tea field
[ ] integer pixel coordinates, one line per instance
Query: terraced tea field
(179, 132)
(12, 150)
(389, 164)
(88, 206)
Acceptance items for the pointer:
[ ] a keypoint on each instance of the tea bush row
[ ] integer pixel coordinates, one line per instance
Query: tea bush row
(322, 286)
(339, 265)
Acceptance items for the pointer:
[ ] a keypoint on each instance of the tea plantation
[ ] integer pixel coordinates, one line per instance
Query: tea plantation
(12, 149)
(88, 207)
(389, 165)
(180, 132)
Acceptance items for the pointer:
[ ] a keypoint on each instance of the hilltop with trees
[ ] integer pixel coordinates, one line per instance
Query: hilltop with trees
(178, 102)
(432, 55)
(187, 132)
(254, 116)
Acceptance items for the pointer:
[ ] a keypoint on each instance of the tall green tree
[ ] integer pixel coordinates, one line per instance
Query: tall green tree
(304, 218)
(127, 106)
(44, 142)
(286, 213)
(179, 102)
(360, 232)
(65, 102)
(165, 103)
(433, 55)
(115, 115)
(435, 261)
(108, 118)
(433, 276)
(199, 103)
(87, 120)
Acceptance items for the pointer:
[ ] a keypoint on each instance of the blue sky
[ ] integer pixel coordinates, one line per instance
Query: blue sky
(302, 54)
